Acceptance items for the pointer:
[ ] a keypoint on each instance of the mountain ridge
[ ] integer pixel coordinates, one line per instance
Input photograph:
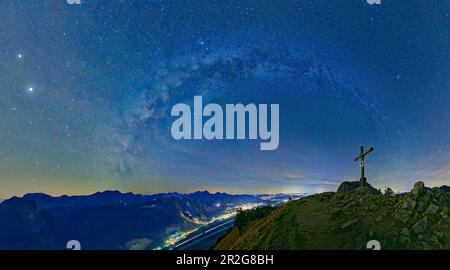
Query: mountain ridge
(106, 220)
(347, 221)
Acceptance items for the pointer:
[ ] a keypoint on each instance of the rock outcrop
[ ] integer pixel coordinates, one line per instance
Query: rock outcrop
(424, 210)
(347, 187)
(351, 217)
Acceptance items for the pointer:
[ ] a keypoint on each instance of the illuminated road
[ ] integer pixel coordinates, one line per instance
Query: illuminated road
(205, 234)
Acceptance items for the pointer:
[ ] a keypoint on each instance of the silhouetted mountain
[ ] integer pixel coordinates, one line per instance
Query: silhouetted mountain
(24, 225)
(106, 220)
(221, 198)
(96, 199)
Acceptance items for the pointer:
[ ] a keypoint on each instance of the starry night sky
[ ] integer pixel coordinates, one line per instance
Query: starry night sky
(86, 92)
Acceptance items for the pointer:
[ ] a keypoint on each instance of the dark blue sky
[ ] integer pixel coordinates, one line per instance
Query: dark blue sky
(105, 74)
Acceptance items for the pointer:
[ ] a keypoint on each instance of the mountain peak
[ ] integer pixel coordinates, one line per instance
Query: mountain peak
(109, 192)
(37, 195)
(205, 192)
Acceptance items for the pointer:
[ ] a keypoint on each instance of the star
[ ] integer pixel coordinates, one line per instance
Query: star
(30, 89)
(19, 56)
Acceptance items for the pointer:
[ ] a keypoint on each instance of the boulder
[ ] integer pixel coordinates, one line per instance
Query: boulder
(434, 239)
(347, 187)
(379, 218)
(389, 192)
(421, 225)
(403, 215)
(404, 241)
(404, 231)
(432, 209)
(425, 245)
(439, 234)
(349, 223)
(418, 187)
(444, 213)
(409, 204)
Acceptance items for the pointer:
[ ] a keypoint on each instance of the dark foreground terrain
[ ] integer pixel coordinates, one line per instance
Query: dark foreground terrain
(348, 219)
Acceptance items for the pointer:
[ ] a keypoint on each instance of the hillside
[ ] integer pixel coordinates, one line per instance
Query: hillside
(348, 220)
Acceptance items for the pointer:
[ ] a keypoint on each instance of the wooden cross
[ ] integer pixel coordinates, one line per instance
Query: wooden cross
(361, 163)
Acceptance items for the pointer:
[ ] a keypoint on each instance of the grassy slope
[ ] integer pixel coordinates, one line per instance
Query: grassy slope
(346, 221)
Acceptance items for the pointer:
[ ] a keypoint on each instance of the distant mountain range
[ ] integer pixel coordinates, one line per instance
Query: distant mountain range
(107, 220)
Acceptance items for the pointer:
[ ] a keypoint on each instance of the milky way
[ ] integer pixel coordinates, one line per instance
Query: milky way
(86, 92)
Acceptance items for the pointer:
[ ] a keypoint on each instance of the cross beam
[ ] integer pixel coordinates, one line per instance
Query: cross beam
(361, 156)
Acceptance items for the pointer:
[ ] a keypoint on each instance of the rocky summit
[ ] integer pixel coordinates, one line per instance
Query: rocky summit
(347, 187)
(347, 220)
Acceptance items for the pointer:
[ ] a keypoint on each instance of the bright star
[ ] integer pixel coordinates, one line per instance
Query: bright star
(30, 89)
